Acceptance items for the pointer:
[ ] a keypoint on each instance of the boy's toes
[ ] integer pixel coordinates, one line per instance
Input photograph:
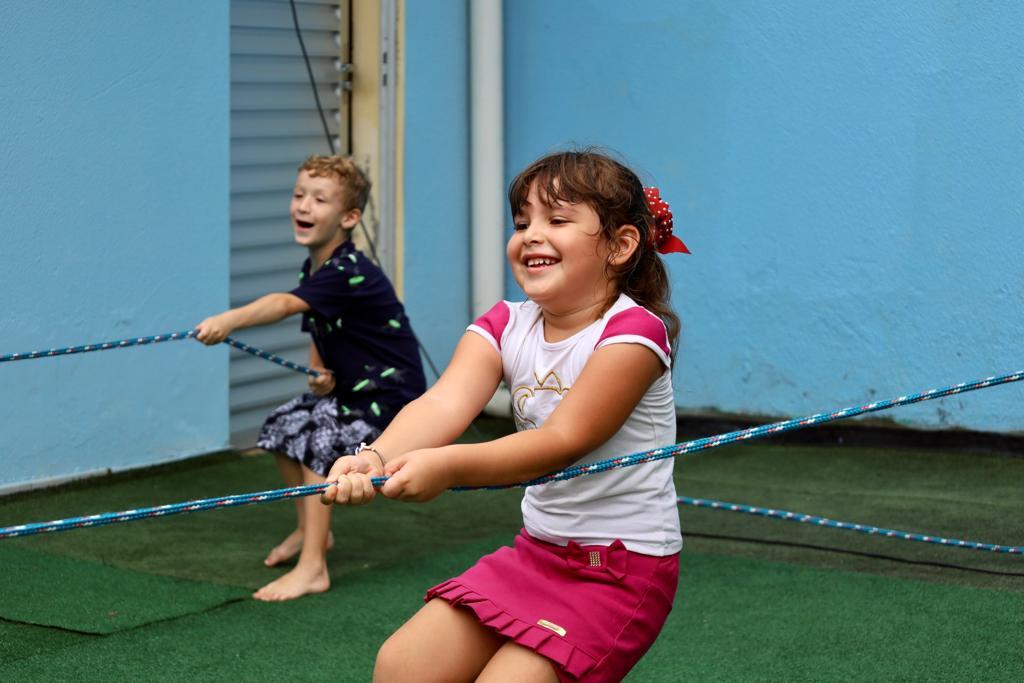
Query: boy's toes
(275, 557)
(285, 550)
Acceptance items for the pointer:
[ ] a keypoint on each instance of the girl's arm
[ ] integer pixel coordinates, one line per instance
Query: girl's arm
(265, 310)
(434, 419)
(442, 413)
(614, 380)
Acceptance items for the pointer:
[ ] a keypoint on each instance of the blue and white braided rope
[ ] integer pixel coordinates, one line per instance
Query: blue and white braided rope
(158, 511)
(766, 430)
(312, 489)
(775, 513)
(266, 355)
(141, 341)
(577, 471)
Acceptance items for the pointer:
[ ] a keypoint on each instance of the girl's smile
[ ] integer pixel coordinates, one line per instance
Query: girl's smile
(538, 263)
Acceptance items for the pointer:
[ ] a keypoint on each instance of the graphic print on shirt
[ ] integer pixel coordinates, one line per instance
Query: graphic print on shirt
(543, 398)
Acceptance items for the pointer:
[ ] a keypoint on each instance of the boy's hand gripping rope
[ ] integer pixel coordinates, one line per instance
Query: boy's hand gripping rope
(582, 470)
(140, 341)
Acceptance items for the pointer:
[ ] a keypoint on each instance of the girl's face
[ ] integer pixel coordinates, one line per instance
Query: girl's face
(318, 210)
(559, 255)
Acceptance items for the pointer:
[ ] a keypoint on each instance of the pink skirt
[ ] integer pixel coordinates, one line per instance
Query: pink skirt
(592, 610)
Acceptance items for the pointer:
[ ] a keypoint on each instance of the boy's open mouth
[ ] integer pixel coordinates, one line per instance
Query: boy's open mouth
(305, 225)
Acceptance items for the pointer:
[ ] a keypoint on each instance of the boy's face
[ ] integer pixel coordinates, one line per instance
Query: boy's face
(318, 210)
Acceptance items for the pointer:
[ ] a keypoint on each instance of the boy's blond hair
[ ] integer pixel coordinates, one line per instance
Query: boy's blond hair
(355, 186)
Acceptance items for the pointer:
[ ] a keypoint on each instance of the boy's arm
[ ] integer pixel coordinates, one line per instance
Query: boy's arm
(324, 384)
(265, 310)
(315, 361)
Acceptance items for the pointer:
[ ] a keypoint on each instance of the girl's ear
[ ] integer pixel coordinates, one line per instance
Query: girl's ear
(625, 242)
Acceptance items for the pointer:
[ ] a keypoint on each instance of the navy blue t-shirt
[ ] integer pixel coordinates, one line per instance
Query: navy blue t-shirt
(362, 334)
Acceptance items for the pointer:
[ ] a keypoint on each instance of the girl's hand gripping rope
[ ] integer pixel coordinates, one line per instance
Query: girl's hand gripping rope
(419, 476)
(349, 481)
(416, 476)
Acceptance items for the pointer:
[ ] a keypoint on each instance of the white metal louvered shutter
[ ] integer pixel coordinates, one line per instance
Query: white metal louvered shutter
(274, 126)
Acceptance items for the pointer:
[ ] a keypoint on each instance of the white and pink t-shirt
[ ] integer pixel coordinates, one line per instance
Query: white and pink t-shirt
(635, 504)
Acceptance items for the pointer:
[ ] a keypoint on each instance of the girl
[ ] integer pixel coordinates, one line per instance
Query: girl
(590, 580)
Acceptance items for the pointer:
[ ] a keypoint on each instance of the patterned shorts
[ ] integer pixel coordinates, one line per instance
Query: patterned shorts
(307, 429)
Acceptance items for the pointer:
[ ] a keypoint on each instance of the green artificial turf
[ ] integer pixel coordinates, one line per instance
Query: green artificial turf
(88, 597)
(966, 496)
(760, 600)
(735, 619)
(739, 619)
(21, 641)
(227, 546)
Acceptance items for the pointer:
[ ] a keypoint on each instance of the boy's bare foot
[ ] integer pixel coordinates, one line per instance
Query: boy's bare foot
(296, 583)
(290, 547)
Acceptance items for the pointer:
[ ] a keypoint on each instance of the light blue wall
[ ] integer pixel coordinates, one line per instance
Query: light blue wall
(113, 223)
(847, 174)
(437, 180)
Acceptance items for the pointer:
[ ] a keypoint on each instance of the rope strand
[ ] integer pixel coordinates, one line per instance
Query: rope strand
(775, 513)
(762, 431)
(582, 470)
(141, 341)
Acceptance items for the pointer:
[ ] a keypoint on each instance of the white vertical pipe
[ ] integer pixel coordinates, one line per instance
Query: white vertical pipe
(487, 167)
(487, 159)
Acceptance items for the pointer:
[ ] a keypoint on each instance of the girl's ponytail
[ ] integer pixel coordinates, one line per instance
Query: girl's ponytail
(644, 278)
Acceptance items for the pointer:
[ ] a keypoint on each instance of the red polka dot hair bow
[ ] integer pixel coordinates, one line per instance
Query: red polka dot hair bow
(661, 237)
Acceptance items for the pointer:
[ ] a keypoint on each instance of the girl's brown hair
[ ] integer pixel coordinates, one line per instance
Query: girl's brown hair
(616, 194)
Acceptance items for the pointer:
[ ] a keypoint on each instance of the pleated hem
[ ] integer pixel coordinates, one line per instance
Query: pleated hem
(545, 642)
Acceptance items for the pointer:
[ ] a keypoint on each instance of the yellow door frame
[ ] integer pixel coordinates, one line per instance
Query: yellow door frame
(372, 63)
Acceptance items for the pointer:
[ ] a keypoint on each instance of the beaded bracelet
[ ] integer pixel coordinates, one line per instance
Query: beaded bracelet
(364, 447)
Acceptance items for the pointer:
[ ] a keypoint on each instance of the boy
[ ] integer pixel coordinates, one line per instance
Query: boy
(363, 346)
